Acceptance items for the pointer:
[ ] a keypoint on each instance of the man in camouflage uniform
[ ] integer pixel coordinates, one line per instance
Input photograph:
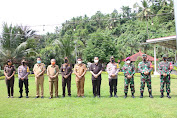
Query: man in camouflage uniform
(145, 68)
(129, 71)
(164, 70)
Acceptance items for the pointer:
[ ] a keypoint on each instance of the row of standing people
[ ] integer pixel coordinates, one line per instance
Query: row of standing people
(145, 68)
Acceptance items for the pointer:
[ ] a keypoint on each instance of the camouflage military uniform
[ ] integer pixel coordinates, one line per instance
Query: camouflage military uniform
(143, 67)
(129, 70)
(164, 67)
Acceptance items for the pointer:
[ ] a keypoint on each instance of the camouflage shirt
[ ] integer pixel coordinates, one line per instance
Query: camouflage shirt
(144, 66)
(128, 69)
(164, 67)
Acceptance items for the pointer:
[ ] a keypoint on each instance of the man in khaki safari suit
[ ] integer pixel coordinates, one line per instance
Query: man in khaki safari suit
(39, 70)
(80, 71)
(52, 72)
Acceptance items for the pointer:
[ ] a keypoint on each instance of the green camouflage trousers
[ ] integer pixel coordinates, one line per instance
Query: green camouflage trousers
(163, 81)
(127, 82)
(145, 79)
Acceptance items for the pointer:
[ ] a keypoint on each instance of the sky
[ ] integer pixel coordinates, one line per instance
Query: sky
(52, 13)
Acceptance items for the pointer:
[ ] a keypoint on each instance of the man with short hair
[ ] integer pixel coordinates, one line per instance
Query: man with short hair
(80, 71)
(96, 70)
(52, 72)
(113, 69)
(145, 68)
(165, 70)
(23, 72)
(39, 70)
(66, 71)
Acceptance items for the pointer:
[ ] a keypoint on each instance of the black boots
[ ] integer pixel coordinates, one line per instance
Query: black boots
(161, 95)
(125, 95)
(114, 95)
(141, 96)
(168, 95)
(133, 95)
(20, 95)
(27, 95)
(110, 95)
(150, 95)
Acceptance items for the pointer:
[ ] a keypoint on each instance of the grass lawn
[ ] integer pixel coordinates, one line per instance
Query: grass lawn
(89, 106)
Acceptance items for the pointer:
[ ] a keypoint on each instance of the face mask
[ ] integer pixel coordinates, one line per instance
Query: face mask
(66, 61)
(96, 61)
(79, 62)
(23, 63)
(53, 63)
(38, 61)
(128, 62)
(144, 59)
(164, 59)
(112, 60)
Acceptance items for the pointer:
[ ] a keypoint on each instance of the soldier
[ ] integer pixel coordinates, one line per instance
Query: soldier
(9, 72)
(112, 69)
(39, 70)
(80, 71)
(96, 70)
(66, 71)
(23, 72)
(129, 71)
(52, 72)
(165, 70)
(145, 68)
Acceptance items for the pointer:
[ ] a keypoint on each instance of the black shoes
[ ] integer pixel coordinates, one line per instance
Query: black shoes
(37, 97)
(125, 95)
(168, 96)
(161, 95)
(110, 96)
(141, 96)
(151, 96)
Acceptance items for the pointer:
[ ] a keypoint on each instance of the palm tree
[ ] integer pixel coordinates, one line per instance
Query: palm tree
(13, 46)
(66, 47)
(146, 11)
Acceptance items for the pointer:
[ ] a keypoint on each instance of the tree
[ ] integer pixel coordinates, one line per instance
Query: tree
(101, 45)
(13, 46)
(146, 11)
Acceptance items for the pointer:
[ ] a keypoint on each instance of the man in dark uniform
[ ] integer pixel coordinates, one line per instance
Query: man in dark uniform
(96, 70)
(23, 72)
(66, 71)
(9, 71)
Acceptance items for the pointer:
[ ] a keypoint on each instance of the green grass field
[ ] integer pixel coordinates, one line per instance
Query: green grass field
(89, 106)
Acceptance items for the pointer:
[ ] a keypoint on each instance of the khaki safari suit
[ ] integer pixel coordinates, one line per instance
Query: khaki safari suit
(39, 70)
(53, 71)
(80, 69)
